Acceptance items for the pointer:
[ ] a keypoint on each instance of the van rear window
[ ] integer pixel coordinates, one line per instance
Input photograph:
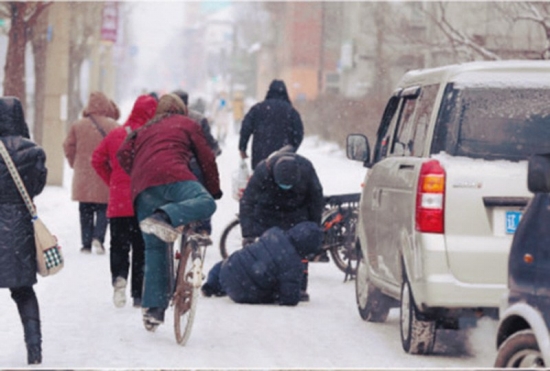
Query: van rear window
(493, 123)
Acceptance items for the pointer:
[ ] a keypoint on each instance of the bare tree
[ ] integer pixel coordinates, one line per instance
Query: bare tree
(537, 13)
(23, 17)
(473, 45)
(458, 38)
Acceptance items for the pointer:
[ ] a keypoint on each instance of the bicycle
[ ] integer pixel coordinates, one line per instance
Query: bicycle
(186, 278)
(339, 221)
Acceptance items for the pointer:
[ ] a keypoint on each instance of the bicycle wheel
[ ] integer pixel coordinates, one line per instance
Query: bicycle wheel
(186, 295)
(340, 239)
(231, 239)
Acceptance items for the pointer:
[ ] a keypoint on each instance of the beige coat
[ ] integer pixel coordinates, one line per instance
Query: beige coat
(82, 140)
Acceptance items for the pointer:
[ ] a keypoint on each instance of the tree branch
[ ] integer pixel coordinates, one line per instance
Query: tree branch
(39, 8)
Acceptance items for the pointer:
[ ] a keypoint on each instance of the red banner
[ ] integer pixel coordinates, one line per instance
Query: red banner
(109, 21)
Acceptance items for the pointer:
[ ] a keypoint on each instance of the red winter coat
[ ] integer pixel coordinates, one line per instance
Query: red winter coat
(107, 166)
(159, 154)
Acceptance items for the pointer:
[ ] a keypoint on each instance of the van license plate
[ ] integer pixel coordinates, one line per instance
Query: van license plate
(512, 221)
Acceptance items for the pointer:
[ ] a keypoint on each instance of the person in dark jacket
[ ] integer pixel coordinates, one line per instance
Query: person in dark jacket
(17, 247)
(200, 119)
(269, 270)
(126, 239)
(273, 123)
(165, 192)
(284, 190)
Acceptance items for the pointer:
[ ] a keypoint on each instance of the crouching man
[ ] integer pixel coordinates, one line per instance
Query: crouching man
(269, 270)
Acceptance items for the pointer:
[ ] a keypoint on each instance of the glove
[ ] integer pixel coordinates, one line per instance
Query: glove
(218, 195)
(248, 240)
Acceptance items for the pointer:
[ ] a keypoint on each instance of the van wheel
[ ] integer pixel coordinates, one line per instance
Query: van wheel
(373, 306)
(520, 351)
(417, 336)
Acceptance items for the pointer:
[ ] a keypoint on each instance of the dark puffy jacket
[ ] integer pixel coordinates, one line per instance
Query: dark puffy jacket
(271, 269)
(17, 248)
(273, 123)
(264, 204)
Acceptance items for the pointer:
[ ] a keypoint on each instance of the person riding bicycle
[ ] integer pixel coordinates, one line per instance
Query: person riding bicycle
(202, 121)
(283, 191)
(269, 270)
(165, 192)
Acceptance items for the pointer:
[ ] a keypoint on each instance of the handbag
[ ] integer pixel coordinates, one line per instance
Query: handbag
(49, 259)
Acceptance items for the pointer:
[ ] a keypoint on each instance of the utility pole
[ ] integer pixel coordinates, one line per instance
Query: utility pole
(56, 89)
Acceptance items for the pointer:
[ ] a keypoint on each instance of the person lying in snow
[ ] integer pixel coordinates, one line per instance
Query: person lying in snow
(269, 270)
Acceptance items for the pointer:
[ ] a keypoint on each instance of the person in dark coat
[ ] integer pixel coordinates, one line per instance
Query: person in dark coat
(202, 121)
(273, 123)
(166, 194)
(126, 239)
(17, 247)
(284, 190)
(269, 270)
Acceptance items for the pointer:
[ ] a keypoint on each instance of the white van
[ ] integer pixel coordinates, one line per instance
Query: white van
(445, 190)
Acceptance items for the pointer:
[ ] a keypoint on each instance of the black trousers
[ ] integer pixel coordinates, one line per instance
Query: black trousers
(27, 306)
(93, 222)
(126, 240)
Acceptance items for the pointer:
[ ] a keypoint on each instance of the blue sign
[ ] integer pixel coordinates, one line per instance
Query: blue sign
(512, 221)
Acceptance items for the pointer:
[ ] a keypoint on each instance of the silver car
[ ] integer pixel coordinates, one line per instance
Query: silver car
(444, 193)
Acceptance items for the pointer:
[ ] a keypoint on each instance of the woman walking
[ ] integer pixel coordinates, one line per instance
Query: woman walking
(88, 188)
(17, 247)
(126, 239)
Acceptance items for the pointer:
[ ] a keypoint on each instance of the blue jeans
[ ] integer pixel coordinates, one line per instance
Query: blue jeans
(184, 202)
(93, 222)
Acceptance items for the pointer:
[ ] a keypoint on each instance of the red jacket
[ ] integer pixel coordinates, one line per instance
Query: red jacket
(159, 154)
(106, 164)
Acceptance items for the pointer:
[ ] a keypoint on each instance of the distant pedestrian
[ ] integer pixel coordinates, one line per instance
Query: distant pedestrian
(222, 117)
(238, 110)
(166, 194)
(269, 270)
(17, 249)
(284, 190)
(126, 240)
(88, 188)
(272, 123)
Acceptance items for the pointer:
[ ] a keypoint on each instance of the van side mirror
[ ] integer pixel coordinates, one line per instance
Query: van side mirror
(357, 148)
(538, 173)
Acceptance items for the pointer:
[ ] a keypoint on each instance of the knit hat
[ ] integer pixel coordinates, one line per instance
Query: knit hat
(286, 172)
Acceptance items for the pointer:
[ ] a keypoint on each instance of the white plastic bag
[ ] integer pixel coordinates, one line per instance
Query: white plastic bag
(239, 179)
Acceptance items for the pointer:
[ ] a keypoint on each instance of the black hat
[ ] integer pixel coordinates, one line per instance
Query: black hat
(286, 172)
(307, 238)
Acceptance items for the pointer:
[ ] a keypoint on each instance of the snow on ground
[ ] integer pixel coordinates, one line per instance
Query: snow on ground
(83, 329)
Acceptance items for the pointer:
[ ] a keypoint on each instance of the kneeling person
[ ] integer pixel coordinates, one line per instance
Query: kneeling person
(269, 270)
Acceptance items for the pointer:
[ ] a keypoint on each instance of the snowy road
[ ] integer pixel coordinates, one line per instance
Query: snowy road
(82, 328)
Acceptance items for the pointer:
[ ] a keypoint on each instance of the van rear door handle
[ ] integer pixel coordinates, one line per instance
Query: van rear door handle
(406, 167)
(376, 198)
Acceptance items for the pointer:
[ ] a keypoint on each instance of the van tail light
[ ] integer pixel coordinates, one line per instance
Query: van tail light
(430, 198)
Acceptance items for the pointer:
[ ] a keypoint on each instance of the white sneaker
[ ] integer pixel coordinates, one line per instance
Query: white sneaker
(119, 294)
(98, 246)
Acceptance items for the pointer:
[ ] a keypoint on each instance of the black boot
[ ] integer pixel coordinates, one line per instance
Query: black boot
(34, 354)
(33, 339)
